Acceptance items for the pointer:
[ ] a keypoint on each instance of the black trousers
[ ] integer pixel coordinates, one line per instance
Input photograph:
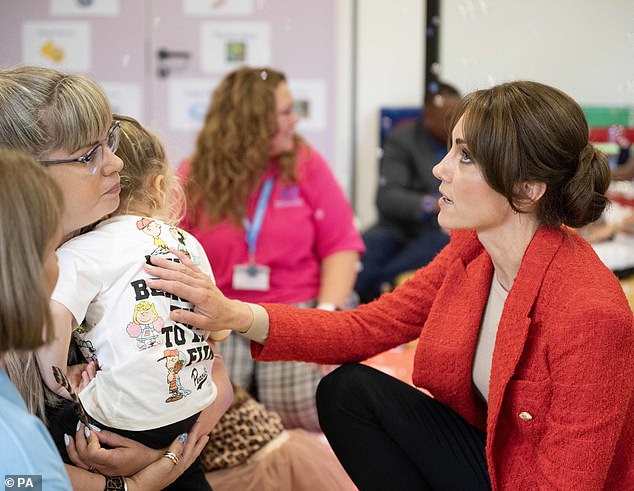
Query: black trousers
(389, 435)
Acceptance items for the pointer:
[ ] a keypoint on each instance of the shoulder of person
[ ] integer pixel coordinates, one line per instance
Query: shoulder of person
(407, 131)
(310, 161)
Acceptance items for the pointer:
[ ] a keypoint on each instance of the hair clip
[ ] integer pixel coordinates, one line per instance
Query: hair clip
(264, 74)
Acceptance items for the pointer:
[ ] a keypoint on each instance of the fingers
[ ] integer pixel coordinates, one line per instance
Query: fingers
(85, 447)
(193, 445)
(91, 369)
(189, 317)
(71, 450)
(184, 258)
(175, 454)
(112, 440)
(185, 270)
(87, 375)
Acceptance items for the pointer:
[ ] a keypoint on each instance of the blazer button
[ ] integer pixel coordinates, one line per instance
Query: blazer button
(525, 416)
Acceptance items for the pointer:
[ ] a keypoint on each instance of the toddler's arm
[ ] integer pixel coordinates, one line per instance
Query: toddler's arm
(212, 413)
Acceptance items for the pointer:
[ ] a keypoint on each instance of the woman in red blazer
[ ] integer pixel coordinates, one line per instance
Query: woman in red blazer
(525, 339)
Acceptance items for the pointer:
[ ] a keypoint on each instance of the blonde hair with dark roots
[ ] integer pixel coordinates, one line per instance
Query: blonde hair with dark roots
(232, 149)
(42, 110)
(31, 207)
(144, 158)
(527, 131)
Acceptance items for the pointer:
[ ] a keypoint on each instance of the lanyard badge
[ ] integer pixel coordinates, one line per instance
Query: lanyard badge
(253, 276)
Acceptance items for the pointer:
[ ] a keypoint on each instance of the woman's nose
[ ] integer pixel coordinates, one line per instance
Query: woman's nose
(112, 163)
(440, 170)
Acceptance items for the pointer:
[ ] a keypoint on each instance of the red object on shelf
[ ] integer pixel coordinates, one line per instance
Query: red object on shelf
(601, 134)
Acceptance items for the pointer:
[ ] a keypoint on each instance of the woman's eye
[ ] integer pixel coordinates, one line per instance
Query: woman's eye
(91, 155)
(465, 157)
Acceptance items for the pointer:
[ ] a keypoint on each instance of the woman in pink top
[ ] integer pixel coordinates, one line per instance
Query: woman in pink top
(274, 223)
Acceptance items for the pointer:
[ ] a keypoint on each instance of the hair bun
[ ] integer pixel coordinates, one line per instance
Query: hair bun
(593, 173)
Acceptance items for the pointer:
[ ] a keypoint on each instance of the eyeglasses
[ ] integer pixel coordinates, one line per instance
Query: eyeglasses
(95, 155)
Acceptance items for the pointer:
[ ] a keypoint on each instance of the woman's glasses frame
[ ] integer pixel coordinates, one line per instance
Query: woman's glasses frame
(90, 157)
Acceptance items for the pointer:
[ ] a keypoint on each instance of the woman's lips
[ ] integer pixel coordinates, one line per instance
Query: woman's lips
(116, 189)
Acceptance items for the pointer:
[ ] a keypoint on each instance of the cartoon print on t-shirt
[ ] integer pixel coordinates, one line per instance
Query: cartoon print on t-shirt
(174, 362)
(146, 325)
(179, 236)
(153, 229)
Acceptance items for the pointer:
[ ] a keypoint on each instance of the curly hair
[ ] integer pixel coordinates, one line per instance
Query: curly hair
(232, 149)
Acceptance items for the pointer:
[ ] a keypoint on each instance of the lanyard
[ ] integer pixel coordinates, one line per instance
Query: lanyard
(253, 228)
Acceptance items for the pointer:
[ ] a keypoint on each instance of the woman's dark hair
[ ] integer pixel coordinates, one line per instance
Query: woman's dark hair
(527, 131)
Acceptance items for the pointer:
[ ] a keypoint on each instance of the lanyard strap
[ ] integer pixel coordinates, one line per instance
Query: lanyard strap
(253, 228)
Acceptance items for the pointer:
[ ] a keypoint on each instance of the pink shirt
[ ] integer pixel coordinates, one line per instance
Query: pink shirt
(304, 223)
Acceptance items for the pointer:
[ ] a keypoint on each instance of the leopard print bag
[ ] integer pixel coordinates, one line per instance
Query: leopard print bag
(244, 429)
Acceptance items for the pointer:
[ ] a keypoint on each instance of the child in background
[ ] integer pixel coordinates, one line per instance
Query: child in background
(250, 450)
(155, 375)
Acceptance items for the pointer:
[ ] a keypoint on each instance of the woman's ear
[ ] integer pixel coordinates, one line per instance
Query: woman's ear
(534, 190)
(530, 193)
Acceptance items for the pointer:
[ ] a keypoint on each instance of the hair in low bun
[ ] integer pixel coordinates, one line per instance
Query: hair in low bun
(583, 196)
(527, 131)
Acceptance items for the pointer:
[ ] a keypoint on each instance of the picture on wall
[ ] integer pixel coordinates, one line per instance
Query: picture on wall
(218, 7)
(227, 45)
(310, 103)
(188, 100)
(63, 45)
(84, 8)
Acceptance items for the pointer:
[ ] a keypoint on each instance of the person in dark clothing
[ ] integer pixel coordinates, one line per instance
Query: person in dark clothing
(407, 235)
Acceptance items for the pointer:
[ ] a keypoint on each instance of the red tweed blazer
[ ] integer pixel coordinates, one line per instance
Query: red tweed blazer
(564, 354)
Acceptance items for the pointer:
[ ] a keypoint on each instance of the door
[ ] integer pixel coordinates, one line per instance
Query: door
(159, 60)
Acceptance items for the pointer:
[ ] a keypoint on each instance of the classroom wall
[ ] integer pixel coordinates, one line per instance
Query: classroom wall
(584, 47)
(376, 47)
(389, 72)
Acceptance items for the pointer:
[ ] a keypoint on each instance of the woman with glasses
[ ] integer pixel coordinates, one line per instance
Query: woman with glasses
(155, 377)
(65, 121)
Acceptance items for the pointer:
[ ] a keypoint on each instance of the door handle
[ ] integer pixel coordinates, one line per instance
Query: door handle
(163, 55)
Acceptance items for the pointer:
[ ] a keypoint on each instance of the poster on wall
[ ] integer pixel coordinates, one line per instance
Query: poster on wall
(218, 7)
(69, 8)
(188, 100)
(310, 103)
(125, 98)
(228, 45)
(63, 45)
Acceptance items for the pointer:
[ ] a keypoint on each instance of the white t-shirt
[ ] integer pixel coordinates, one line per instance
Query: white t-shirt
(153, 371)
